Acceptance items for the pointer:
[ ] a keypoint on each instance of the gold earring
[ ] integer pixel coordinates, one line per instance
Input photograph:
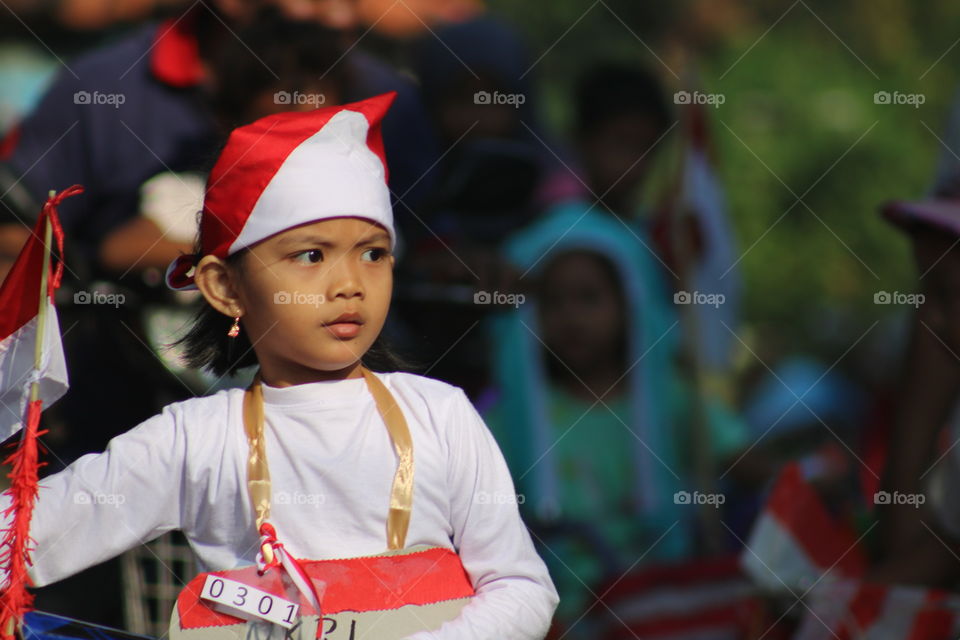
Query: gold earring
(235, 329)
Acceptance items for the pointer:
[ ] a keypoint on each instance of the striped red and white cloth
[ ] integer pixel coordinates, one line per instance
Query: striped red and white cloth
(20, 305)
(795, 539)
(797, 548)
(855, 610)
(704, 599)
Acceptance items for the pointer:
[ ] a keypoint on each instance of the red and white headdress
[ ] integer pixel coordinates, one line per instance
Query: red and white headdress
(289, 169)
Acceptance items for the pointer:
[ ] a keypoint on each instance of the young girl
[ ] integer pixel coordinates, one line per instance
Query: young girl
(592, 413)
(296, 263)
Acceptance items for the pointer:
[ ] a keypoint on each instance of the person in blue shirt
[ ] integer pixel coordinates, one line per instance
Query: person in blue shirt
(120, 114)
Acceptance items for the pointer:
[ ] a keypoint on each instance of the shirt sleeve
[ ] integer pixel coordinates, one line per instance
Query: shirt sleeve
(106, 503)
(514, 595)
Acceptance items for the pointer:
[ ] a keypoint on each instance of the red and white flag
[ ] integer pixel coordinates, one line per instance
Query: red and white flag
(854, 610)
(19, 326)
(31, 358)
(714, 267)
(797, 548)
(795, 540)
(696, 239)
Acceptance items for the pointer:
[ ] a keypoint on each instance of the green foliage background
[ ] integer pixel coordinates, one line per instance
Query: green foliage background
(799, 81)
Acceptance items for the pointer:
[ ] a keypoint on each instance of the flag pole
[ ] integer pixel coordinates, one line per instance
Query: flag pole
(703, 467)
(42, 311)
(19, 546)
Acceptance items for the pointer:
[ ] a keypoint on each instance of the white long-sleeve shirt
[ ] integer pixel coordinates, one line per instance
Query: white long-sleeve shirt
(332, 465)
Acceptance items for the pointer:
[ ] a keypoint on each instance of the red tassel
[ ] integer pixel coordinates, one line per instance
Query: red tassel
(16, 544)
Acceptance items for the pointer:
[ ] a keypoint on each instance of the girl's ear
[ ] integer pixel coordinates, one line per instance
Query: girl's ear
(215, 281)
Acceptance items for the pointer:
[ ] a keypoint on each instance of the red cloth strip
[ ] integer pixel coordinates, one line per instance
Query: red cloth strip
(372, 583)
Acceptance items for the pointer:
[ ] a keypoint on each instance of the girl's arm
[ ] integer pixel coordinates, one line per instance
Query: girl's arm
(106, 503)
(515, 597)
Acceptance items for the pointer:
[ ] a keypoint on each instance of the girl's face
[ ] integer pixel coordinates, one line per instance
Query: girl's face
(581, 312)
(293, 286)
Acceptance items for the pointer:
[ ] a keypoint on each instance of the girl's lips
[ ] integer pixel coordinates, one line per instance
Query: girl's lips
(344, 329)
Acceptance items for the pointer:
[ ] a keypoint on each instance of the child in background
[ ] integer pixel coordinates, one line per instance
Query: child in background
(620, 120)
(296, 271)
(592, 416)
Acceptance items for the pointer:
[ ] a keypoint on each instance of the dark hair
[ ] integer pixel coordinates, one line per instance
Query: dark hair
(207, 345)
(609, 90)
(273, 53)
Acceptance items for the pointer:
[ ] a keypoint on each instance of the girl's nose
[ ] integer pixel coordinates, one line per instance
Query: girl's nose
(346, 283)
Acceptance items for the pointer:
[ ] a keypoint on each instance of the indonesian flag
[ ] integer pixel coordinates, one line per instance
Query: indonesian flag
(19, 326)
(795, 540)
(798, 549)
(854, 610)
(714, 269)
(33, 373)
(700, 599)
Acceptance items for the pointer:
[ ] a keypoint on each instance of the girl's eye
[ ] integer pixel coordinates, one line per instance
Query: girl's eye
(376, 254)
(312, 256)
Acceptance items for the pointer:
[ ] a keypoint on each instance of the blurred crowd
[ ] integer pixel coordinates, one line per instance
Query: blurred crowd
(579, 284)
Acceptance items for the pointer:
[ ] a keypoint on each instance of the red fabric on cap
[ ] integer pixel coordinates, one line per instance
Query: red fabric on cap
(254, 154)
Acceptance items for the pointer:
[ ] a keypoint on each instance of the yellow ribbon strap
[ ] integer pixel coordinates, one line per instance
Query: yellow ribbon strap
(401, 493)
(258, 473)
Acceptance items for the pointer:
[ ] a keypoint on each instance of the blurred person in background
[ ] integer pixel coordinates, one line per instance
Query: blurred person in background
(590, 409)
(621, 114)
(126, 110)
(628, 138)
(35, 38)
(91, 15)
(920, 544)
(83, 15)
(275, 64)
(476, 87)
(57, 30)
